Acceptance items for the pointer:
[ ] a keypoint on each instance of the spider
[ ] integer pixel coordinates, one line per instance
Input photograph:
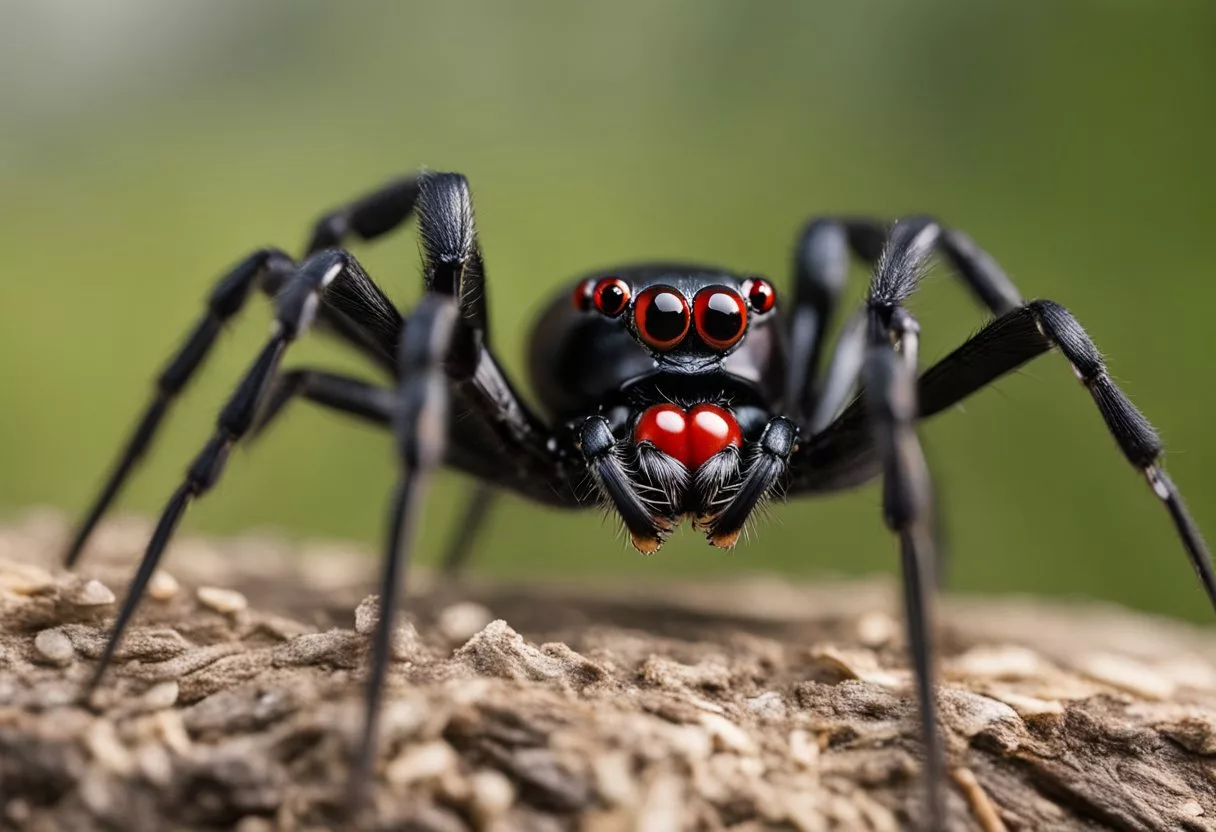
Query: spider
(674, 390)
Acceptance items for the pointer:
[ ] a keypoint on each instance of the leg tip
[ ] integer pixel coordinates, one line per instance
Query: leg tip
(724, 540)
(647, 545)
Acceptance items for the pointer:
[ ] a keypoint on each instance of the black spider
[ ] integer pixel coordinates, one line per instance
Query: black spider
(678, 388)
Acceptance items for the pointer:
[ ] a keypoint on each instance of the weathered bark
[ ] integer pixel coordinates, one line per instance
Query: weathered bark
(756, 704)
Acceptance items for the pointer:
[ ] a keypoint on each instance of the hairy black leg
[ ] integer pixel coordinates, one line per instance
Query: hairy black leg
(714, 484)
(357, 311)
(821, 268)
(513, 445)
(420, 427)
(842, 373)
(898, 270)
(295, 307)
(978, 271)
(890, 408)
(986, 279)
(453, 266)
(606, 462)
(337, 392)
(842, 456)
(472, 447)
(890, 393)
(1024, 333)
(367, 217)
(766, 465)
(472, 519)
(363, 315)
(837, 451)
(225, 301)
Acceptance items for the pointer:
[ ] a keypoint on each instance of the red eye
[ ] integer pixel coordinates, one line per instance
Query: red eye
(760, 294)
(661, 316)
(611, 296)
(721, 316)
(581, 296)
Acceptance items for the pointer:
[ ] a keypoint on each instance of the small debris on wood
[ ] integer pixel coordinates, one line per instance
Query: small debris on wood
(92, 594)
(226, 601)
(54, 647)
(162, 586)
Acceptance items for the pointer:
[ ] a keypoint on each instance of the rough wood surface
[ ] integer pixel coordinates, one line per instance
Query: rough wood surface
(749, 705)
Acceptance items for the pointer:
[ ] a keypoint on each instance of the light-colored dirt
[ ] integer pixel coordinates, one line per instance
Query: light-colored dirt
(749, 705)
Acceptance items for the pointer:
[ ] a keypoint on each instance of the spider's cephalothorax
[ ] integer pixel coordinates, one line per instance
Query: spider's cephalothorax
(678, 390)
(666, 377)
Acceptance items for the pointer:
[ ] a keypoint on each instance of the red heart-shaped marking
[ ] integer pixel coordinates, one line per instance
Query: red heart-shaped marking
(691, 437)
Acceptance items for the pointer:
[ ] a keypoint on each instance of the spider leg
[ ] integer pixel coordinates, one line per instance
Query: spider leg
(767, 466)
(453, 266)
(359, 312)
(821, 263)
(843, 456)
(295, 308)
(907, 509)
(606, 460)
(225, 301)
(443, 357)
(447, 227)
(373, 404)
(363, 316)
(980, 272)
(881, 438)
(1029, 331)
(843, 370)
(517, 453)
(472, 447)
(420, 428)
(368, 216)
(344, 394)
(821, 269)
(897, 272)
(838, 451)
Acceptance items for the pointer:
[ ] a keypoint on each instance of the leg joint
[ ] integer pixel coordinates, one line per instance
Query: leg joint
(778, 437)
(595, 437)
(1058, 324)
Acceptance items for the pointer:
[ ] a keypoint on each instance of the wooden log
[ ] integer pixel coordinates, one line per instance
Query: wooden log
(750, 704)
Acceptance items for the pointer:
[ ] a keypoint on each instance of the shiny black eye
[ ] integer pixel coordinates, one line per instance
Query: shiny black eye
(760, 294)
(661, 316)
(611, 296)
(721, 316)
(582, 296)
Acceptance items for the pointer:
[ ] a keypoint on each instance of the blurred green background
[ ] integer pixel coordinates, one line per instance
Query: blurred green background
(145, 145)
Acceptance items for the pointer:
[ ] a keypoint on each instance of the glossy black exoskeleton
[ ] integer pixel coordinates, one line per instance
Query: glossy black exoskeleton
(646, 366)
(677, 390)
